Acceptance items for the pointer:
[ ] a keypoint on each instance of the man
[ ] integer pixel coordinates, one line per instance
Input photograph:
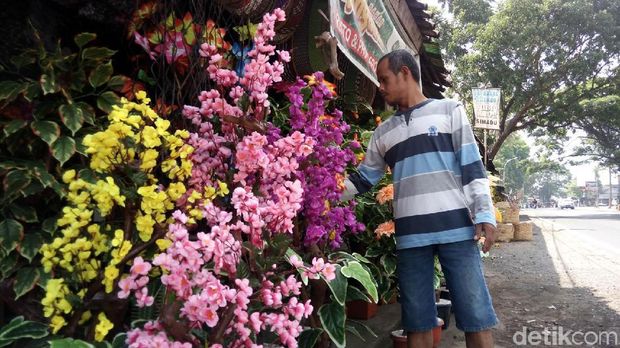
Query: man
(442, 203)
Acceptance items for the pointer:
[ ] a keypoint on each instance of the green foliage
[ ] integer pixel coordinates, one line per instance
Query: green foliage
(18, 329)
(537, 54)
(513, 161)
(48, 102)
(602, 127)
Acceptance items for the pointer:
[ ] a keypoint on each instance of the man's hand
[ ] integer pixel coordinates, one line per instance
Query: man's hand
(488, 231)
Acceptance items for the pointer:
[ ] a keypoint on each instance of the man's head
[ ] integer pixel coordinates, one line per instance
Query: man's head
(398, 74)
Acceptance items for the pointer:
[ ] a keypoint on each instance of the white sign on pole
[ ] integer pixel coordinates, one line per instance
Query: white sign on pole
(486, 107)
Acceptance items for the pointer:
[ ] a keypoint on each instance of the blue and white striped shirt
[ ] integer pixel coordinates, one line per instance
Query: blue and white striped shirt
(440, 184)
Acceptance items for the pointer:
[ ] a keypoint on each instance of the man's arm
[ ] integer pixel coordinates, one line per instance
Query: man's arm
(473, 176)
(370, 171)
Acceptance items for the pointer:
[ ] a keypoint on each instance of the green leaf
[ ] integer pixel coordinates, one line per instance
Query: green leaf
(389, 264)
(49, 225)
(119, 340)
(9, 90)
(49, 131)
(308, 337)
(88, 112)
(338, 286)
(48, 83)
(70, 343)
(82, 39)
(32, 189)
(15, 181)
(11, 233)
(88, 175)
(361, 258)
(97, 53)
(353, 293)
(48, 180)
(355, 270)
(290, 252)
(71, 115)
(143, 76)
(7, 264)
(117, 82)
(32, 91)
(103, 344)
(14, 126)
(26, 58)
(355, 327)
(24, 213)
(333, 318)
(18, 329)
(341, 255)
(63, 148)
(100, 75)
(29, 247)
(25, 280)
(106, 100)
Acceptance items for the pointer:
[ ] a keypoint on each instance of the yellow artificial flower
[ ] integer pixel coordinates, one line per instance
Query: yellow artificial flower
(150, 138)
(103, 327)
(148, 159)
(176, 190)
(68, 176)
(144, 225)
(163, 244)
(223, 188)
(56, 323)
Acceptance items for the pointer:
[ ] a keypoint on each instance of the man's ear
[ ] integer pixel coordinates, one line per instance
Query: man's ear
(405, 70)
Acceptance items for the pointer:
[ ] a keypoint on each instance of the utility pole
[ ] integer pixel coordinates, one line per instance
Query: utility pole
(611, 191)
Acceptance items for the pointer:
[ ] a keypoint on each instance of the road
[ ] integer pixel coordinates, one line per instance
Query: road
(584, 245)
(597, 227)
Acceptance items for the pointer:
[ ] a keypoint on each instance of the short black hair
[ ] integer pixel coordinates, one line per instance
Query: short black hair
(399, 58)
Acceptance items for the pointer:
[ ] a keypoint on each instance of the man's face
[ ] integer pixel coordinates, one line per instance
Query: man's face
(391, 86)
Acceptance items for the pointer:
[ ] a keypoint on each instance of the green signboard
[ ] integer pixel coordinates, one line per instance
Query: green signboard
(365, 32)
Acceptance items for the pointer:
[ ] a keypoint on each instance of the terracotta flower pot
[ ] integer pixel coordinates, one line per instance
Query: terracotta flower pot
(361, 310)
(399, 338)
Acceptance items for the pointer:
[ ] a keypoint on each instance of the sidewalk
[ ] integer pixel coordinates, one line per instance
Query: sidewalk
(388, 320)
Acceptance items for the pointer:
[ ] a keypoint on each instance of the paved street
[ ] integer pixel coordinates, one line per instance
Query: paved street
(596, 227)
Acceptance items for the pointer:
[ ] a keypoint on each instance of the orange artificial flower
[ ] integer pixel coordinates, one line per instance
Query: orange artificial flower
(386, 194)
(385, 229)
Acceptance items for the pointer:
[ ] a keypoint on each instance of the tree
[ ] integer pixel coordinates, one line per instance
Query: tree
(546, 178)
(601, 122)
(513, 159)
(547, 56)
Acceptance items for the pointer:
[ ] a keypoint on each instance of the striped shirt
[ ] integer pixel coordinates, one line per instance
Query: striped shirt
(440, 185)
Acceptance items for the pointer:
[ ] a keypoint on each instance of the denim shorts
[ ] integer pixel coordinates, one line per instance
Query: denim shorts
(462, 268)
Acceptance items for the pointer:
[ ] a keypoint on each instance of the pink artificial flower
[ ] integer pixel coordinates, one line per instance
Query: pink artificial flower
(284, 55)
(140, 267)
(279, 14)
(296, 262)
(126, 285)
(329, 272)
(211, 318)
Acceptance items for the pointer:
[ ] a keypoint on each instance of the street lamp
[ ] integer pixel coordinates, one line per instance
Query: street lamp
(505, 166)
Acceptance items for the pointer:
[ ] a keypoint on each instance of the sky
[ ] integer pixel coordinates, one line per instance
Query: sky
(583, 172)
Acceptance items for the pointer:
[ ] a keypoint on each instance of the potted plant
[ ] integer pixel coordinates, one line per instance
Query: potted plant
(377, 243)
(399, 337)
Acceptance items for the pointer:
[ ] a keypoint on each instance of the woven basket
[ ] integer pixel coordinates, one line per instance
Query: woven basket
(502, 205)
(505, 233)
(523, 231)
(511, 215)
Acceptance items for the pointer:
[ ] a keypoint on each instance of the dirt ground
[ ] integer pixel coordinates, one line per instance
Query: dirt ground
(552, 282)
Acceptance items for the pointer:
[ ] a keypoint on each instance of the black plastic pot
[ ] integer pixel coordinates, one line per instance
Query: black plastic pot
(443, 311)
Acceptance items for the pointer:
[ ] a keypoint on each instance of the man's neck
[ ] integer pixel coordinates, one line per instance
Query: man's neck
(412, 100)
